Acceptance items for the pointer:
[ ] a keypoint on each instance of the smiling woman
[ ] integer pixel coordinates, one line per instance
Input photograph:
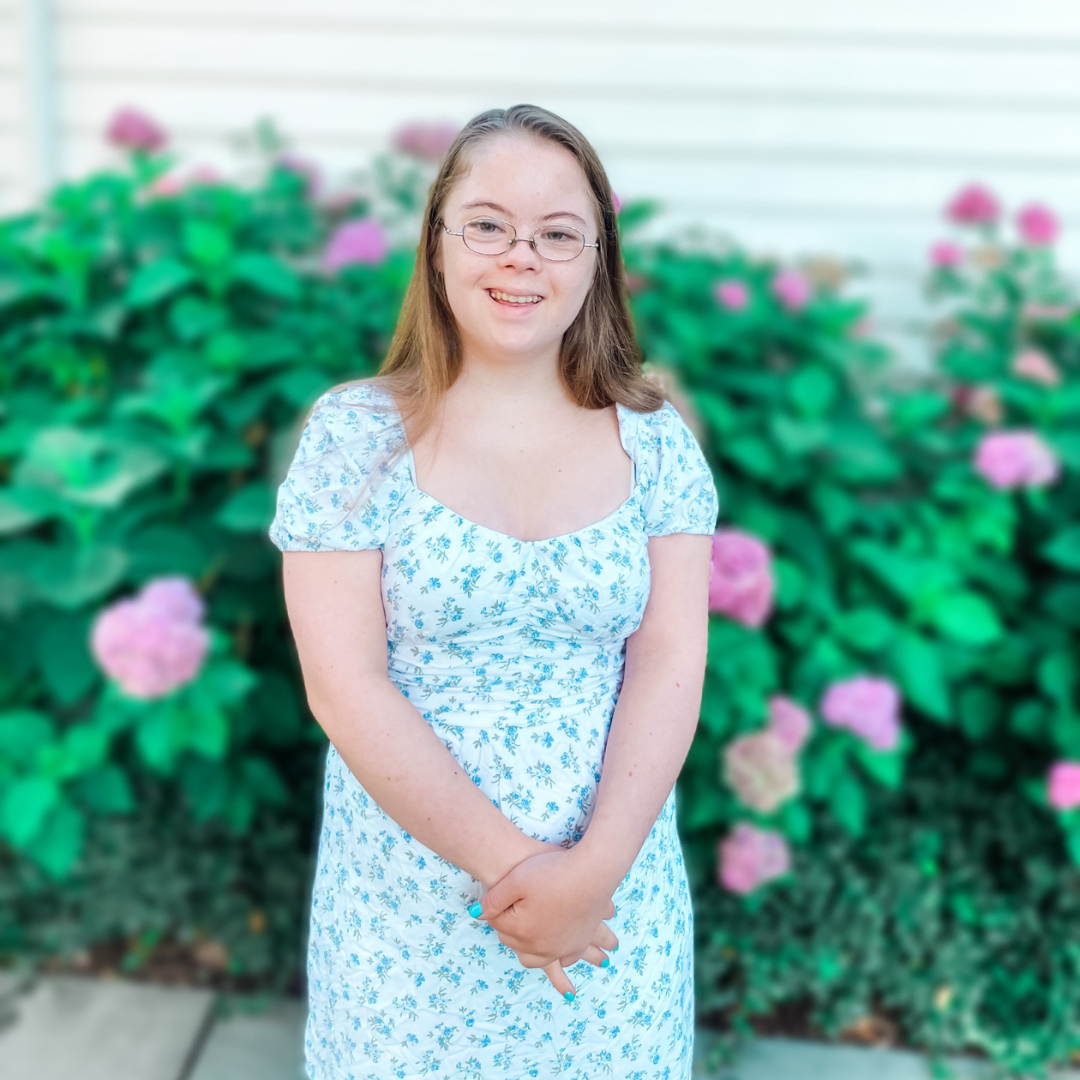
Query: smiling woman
(505, 648)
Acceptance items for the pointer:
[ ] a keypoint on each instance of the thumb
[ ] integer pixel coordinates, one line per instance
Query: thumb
(497, 899)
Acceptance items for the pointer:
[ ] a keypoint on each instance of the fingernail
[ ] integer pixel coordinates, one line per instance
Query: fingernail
(569, 995)
(606, 962)
(476, 909)
(614, 948)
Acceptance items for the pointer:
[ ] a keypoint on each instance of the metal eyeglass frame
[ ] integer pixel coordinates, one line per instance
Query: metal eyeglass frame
(531, 241)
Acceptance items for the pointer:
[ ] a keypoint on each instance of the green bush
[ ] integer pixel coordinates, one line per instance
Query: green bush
(162, 341)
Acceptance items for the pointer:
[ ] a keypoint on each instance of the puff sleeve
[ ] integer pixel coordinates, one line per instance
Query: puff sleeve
(681, 493)
(330, 497)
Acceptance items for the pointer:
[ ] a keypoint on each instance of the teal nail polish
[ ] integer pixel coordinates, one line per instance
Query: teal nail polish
(476, 909)
(614, 948)
(568, 995)
(606, 962)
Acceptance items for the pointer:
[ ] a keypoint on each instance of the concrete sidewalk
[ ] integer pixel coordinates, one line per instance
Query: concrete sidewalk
(69, 1028)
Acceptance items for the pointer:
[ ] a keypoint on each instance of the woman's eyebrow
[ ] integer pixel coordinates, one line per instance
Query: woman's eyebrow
(503, 210)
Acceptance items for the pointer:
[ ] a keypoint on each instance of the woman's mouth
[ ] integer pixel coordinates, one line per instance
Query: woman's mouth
(512, 300)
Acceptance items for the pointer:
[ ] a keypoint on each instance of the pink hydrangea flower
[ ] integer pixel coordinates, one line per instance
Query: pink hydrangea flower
(175, 597)
(1012, 459)
(131, 129)
(733, 295)
(1035, 365)
(792, 289)
(946, 254)
(867, 706)
(761, 770)
(1037, 224)
(1063, 785)
(741, 581)
(1051, 312)
(359, 241)
(151, 644)
(616, 202)
(981, 402)
(749, 857)
(789, 721)
(175, 183)
(974, 204)
(427, 141)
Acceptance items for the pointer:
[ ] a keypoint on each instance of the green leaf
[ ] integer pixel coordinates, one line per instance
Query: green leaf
(154, 281)
(795, 822)
(1064, 548)
(885, 766)
(979, 710)
(15, 513)
(23, 733)
(966, 617)
(1030, 720)
(917, 666)
(60, 842)
(848, 804)
(264, 780)
(24, 808)
(63, 650)
(106, 791)
(267, 274)
(155, 739)
(206, 731)
(69, 577)
(192, 317)
(813, 389)
(206, 243)
(866, 629)
(248, 510)
(1057, 673)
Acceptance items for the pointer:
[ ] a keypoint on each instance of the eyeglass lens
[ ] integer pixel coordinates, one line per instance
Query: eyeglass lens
(488, 236)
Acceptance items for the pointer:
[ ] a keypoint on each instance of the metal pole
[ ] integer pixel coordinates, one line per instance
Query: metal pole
(42, 97)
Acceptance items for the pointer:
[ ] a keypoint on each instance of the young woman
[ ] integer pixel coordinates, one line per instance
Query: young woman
(504, 640)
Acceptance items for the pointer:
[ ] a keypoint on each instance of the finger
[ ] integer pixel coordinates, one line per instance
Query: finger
(611, 913)
(605, 938)
(591, 955)
(497, 899)
(531, 960)
(560, 980)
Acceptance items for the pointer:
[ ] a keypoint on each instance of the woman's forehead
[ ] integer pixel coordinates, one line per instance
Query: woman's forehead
(525, 176)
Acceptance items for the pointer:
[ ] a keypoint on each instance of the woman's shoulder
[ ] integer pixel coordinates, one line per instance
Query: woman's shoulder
(678, 490)
(357, 410)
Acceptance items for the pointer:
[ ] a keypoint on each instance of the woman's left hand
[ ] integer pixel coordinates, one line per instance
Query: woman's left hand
(547, 909)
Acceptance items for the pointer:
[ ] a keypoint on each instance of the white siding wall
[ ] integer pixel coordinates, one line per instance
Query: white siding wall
(798, 126)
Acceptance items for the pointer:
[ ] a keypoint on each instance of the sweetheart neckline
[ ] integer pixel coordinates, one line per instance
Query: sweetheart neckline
(631, 498)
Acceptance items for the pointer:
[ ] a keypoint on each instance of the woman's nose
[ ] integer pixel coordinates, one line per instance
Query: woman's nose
(522, 252)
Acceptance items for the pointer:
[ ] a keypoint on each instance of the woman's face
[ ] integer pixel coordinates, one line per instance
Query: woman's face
(530, 183)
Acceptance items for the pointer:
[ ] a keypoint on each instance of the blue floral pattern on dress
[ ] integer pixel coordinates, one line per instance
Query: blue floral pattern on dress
(513, 652)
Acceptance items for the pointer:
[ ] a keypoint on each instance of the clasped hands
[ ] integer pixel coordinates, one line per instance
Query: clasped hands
(546, 909)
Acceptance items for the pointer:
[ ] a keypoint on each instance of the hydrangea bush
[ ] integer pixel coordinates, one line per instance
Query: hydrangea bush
(895, 573)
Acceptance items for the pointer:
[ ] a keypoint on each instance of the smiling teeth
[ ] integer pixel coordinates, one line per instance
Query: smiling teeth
(515, 299)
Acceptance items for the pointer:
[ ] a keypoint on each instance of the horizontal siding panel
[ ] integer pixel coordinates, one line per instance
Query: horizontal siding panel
(513, 65)
(971, 22)
(972, 138)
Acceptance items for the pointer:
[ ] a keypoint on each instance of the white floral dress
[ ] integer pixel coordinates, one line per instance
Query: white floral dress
(513, 651)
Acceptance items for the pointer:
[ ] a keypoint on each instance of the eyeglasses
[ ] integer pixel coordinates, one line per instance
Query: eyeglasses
(489, 236)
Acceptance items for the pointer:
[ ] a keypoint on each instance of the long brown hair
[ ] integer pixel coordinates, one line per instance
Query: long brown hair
(599, 359)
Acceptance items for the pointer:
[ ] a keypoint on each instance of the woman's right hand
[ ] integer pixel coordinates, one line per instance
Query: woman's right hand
(553, 966)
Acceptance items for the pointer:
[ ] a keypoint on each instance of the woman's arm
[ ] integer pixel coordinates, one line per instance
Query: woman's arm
(335, 609)
(555, 895)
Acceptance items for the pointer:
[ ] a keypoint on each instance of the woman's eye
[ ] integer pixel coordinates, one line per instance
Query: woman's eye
(559, 236)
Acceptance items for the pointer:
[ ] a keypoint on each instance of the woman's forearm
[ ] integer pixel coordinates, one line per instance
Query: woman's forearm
(650, 734)
(404, 766)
